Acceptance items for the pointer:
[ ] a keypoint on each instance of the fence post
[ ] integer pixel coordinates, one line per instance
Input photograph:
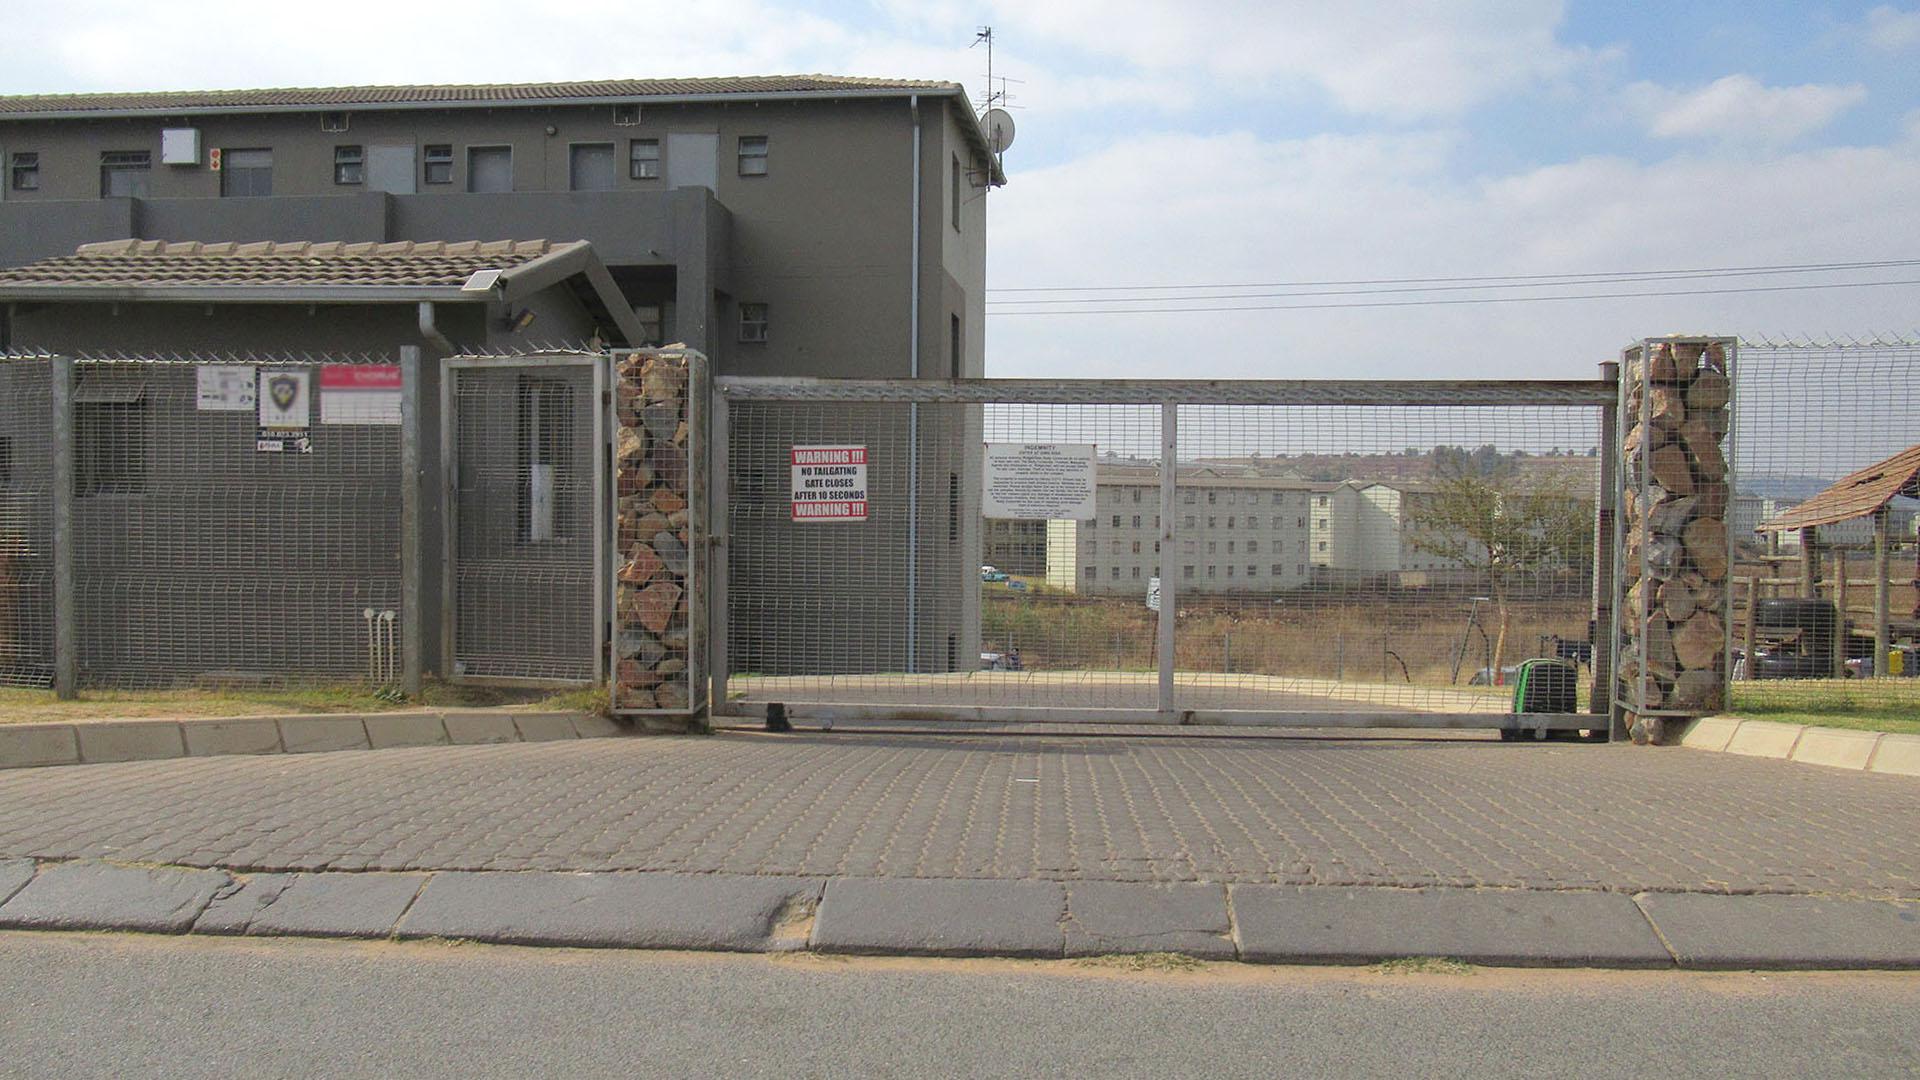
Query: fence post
(411, 631)
(719, 528)
(1600, 695)
(1169, 590)
(1882, 637)
(66, 606)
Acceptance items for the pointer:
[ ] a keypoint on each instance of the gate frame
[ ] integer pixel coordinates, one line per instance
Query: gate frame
(1600, 395)
(450, 504)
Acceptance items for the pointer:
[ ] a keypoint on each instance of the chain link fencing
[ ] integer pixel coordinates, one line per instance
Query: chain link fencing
(1808, 604)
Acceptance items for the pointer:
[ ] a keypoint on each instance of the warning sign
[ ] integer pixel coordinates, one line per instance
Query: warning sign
(360, 394)
(829, 483)
(1038, 481)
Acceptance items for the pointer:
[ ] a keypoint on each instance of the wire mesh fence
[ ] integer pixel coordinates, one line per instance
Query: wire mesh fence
(526, 510)
(26, 521)
(1322, 559)
(1820, 427)
(659, 594)
(204, 545)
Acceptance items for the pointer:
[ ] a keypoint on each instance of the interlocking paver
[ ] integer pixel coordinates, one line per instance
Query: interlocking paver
(1277, 810)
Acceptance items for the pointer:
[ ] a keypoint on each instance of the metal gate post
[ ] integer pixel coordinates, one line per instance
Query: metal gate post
(1169, 482)
(449, 513)
(719, 529)
(411, 632)
(603, 569)
(66, 606)
(1600, 695)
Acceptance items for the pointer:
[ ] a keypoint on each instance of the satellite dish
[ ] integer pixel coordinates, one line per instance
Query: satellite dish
(999, 125)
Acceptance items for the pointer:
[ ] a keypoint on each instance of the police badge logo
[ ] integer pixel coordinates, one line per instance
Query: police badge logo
(283, 389)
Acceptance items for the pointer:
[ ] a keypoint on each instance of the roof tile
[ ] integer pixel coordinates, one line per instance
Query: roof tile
(161, 264)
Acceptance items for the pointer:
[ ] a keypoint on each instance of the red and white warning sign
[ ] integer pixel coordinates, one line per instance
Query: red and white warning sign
(360, 394)
(829, 483)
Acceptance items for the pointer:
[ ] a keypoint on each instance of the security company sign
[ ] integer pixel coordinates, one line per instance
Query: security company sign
(286, 411)
(829, 483)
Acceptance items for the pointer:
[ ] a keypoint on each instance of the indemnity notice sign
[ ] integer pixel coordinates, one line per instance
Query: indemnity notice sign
(829, 483)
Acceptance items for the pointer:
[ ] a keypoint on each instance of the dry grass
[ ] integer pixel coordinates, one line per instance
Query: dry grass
(1142, 962)
(1423, 965)
(31, 706)
(1860, 704)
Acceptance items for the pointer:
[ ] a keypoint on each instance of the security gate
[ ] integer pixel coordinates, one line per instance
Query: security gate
(1301, 553)
(525, 462)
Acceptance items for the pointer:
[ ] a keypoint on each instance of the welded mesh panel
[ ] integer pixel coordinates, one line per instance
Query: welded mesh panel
(523, 541)
(26, 522)
(1371, 558)
(199, 555)
(1807, 415)
(659, 516)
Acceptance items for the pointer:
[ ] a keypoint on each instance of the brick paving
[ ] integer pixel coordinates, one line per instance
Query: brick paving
(1332, 811)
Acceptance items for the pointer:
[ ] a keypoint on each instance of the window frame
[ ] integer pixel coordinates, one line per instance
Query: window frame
(23, 170)
(635, 168)
(228, 171)
(432, 154)
(747, 155)
(755, 331)
(488, 148)
(573, 165)
(136, 161)
(350, 165)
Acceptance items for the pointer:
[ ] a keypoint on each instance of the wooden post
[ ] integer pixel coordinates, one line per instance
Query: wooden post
(1810, 562)
(1753, 609)
(1881, 638)
(1840, 569)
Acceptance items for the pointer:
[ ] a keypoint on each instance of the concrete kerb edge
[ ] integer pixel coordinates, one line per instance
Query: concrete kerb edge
(1809, 744)
(87, 742)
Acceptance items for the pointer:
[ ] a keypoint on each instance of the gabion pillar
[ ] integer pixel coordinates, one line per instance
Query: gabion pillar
(1676, 396)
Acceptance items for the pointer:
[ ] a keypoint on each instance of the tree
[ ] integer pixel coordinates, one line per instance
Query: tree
(1491, 515)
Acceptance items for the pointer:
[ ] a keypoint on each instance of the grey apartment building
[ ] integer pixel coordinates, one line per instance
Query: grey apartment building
(772, 222)
(782, 225)
(1235, 533)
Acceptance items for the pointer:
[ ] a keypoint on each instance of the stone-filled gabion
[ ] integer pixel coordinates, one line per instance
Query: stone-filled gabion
(1676, 400)
(655, 598)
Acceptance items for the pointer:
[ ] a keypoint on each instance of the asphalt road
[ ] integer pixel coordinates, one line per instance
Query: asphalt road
(107, 1005)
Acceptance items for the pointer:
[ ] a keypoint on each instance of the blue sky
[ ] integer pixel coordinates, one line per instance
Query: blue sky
(1239, 143)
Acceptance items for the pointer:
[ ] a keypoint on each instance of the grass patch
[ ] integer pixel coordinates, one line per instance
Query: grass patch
(1858, 704)
(1423, 965)
(1152, 961)
(31, 706)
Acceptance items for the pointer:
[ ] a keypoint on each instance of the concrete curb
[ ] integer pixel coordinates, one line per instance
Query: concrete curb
(972, 917)
(88, 742)
(1838, 748)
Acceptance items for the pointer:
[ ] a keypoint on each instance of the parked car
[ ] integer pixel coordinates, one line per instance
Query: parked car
(988, 573)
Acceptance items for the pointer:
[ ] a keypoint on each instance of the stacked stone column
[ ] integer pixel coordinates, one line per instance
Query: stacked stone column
(658, 604)
(1676, 396)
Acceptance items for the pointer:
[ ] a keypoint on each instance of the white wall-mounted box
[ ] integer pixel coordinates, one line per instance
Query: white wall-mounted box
(180, 146)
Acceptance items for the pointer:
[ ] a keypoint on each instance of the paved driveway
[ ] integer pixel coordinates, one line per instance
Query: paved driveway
(1371, 811)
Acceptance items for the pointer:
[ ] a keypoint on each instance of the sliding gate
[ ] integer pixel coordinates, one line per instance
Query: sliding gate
(1323, 553)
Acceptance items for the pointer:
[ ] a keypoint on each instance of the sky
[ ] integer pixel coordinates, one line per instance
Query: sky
(1209, 188)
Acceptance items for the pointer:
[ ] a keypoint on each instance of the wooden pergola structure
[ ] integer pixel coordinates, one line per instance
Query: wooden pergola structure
(1868, 492)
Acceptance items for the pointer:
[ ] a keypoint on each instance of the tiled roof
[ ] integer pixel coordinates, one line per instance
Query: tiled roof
(164, 264)
(1856, 495)
(346, 97)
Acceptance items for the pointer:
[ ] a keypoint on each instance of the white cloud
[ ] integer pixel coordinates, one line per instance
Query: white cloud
(1369, 207)
(1738, 108)
(1373, 57)
(1891, 28)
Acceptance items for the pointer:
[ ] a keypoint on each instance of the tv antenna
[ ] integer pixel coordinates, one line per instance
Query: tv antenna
(996, 90)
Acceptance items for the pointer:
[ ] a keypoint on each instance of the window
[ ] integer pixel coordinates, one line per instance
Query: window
(1136, 547)
(1212, 497)
(1213, 522)
(1229, 571)
(1323, 545)
(953, 345)
(956, 191)
(1187, 521)
(1278, 569)
(590, 167)
(1229, 547)
(546, 488)
(1189, 546)
(349, 165)
(1089, 574)
(627, 115)
(1299, 523)
(1210, 569)
(438, 164)
(24, 168)
(1156, 547)
(1276, 502)
(1186, 571)
(124, 173)
(1187, 497)
(1232, 497)
(1253, 546)
(1136, 573)
(246, 173)
(489, 168)
(753, 155)
(1229, 522)
(1213, 546)
(1136, 494)
(1321, 501)
(1116, 521)
(1116, 574)
(1114, 546)
(1253, 571)
(110, 441)
(1300, 569)
(643, 159)
(1136, 519)
(753, 323)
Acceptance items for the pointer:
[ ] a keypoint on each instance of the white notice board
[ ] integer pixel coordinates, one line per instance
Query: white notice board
(1038, 481)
